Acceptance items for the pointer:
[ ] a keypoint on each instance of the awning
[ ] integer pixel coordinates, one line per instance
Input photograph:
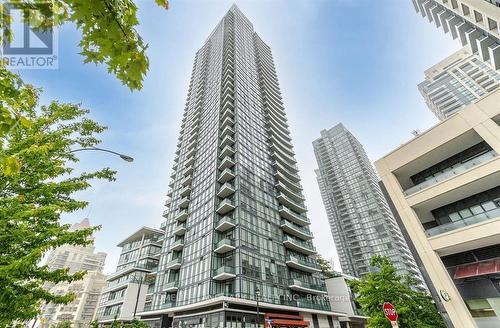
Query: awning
(477, 269)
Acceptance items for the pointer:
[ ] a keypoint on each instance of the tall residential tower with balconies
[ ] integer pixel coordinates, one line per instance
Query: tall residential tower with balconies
(456, 82)
(360, 219)
(236, 223)
(475, 23)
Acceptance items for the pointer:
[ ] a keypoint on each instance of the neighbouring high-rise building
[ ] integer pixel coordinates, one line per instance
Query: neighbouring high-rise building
(75, 258)
(361, 222)
(445, 185)
(129, 289)
(457, 81)
(236, 225)
(475, 23)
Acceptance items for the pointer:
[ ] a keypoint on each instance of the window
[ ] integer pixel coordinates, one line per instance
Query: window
(478, 17)
(465, 10)
(454, 4)
(492, 24)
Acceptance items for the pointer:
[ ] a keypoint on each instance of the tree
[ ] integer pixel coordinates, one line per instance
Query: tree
(33, 198)
(108, 30)
(326, 268)
(63, 324)
(109, 37)
(415, 308)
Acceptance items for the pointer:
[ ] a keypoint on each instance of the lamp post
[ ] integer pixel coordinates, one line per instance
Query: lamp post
(122, 156)
(257, 296)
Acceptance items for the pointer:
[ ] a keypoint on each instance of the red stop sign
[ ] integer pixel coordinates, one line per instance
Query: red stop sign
(390, 311)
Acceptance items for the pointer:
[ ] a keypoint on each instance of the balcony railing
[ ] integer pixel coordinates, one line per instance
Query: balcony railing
(174, 264)
(225, 245)
(493, 214)
(295, 217)
(224, 273)
(177, 245)
(309, 265)
(225, 223)
(304, 247)
(298, 207)
(306, 287)
(225, 206)
(171, 286)
(296, 230)
(180, 229)
(452, 171)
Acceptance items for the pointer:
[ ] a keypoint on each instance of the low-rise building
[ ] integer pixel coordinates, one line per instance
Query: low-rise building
(129, 288)
(342, 299)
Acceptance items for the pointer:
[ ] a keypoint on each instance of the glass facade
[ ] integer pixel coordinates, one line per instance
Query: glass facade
(134, 276)
(360, 219)
(236, 220)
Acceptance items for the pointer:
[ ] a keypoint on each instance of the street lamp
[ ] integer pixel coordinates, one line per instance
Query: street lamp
(122, 156)
(257, 296)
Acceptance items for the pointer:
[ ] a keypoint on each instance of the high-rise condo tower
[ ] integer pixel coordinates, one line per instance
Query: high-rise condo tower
(236, 225)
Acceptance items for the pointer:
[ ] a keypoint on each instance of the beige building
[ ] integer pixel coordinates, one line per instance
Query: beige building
(445, 184)
(75, 258)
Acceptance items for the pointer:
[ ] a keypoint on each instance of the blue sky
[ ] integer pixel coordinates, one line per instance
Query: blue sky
(352, 61)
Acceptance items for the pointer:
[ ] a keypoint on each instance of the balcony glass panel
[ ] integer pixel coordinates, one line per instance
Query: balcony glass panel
(451, 171)
(461, 223)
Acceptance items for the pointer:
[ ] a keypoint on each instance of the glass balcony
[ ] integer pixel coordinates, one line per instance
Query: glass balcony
(309, 304)
(478, 218)
(306, 287)
(225, 206)
(180, 229)
(304, 247)
(192, 145)
(186, 181)
(224, 273)
(281, 156)
(296, 230)
(227, 151)
(227, 113)
(182, 216)
(189, 161)
(191, 152)
(295, 195)
(226, 190)
(226, 175)
(189, 170)
(295, 217)
(226, 163)
(227, 141)
(225, 245)
(171, 287)
(174, 264)
(290, 184)
(227, 122)
(452, 171)
(281, 148)
(177, 245)
(184, 202)
(309, 265)
(273, 129)
(185, 191)
(225, 223)
(227, 131)
(290, 203)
